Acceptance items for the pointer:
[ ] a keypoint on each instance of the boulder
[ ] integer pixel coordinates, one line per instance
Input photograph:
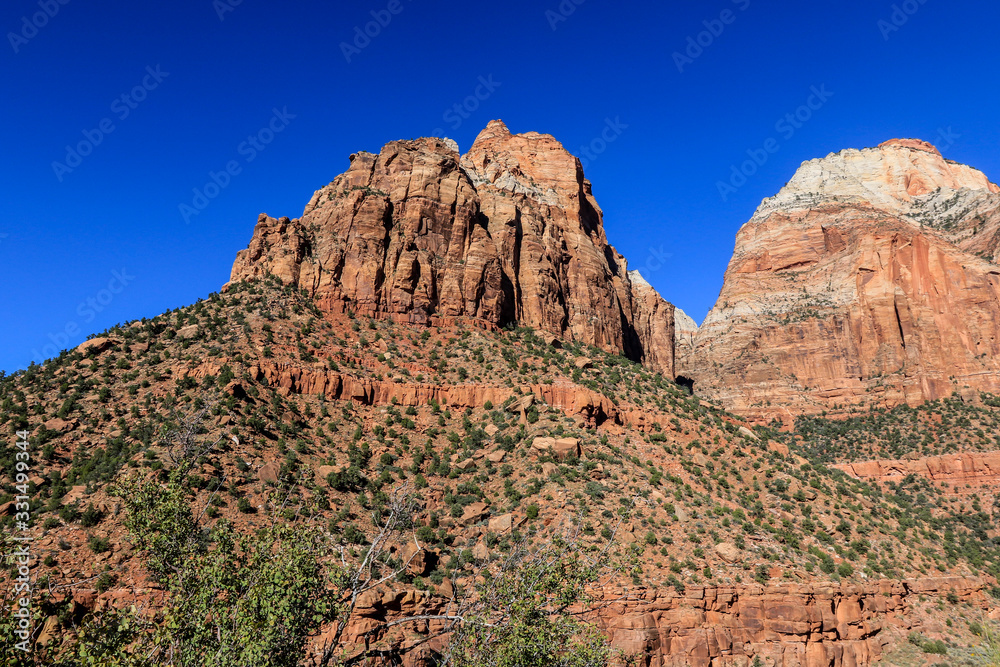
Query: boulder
(522, 404)
(502, 523)
(419, 561)
(474, 513)
(236, 390)
(778, 448)
(190, 331)
(568, 448)
(562, 448)
(269, 472)
(96, 345)
(728, 552)
(61, 425)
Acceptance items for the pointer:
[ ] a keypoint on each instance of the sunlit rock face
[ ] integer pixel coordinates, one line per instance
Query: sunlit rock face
(869, 279)
(508, 233)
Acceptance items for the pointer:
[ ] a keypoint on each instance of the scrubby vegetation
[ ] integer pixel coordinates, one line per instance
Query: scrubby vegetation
(252, 423)
(933, 429)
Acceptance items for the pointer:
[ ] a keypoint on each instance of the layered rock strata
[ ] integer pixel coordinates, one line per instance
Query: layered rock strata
(786, 624)
(508, 233)
(968, 472)
(854, 287)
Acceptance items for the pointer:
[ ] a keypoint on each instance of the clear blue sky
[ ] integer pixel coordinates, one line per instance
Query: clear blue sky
(211, 84)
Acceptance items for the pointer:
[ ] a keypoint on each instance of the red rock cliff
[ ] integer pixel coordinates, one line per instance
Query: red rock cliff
(857, 285)
(510, 232)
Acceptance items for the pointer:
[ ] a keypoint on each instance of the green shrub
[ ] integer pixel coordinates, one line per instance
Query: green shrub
(243, 600)
(353, 535)
(90, 516)
(99, 545)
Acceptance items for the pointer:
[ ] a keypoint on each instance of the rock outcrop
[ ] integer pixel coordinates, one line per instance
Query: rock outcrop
(719, 626)
(783, 624)
(856, 286)
(968, 472)
(508, 233)
(685, 331)
(591, 407)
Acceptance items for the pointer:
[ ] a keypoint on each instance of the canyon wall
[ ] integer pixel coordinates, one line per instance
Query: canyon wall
(852, 287)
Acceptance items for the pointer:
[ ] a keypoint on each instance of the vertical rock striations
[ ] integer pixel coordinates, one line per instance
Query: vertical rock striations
(508, 233)
(868, 280)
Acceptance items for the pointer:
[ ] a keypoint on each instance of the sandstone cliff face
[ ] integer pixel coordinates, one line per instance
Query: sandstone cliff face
(967, 473)
(722, 626)
(784, 624)
(510, 232)
(685, 331)
(850, 288)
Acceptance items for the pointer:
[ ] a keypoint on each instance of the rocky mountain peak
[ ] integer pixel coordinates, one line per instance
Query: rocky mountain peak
(534, 165)
(912, 144)
(869, 280)
(508, 233)
(890, 178)
(493, 129)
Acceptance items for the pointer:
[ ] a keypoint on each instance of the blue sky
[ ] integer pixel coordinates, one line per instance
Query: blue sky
(161, 97)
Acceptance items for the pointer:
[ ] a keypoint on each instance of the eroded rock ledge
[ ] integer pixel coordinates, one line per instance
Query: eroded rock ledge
(594, 408)
(976, 469)
(785, 625)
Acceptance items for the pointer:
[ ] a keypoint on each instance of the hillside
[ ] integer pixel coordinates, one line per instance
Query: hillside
(316, 418)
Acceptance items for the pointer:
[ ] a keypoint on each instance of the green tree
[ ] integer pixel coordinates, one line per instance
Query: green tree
(520, 616)
(233, 600)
